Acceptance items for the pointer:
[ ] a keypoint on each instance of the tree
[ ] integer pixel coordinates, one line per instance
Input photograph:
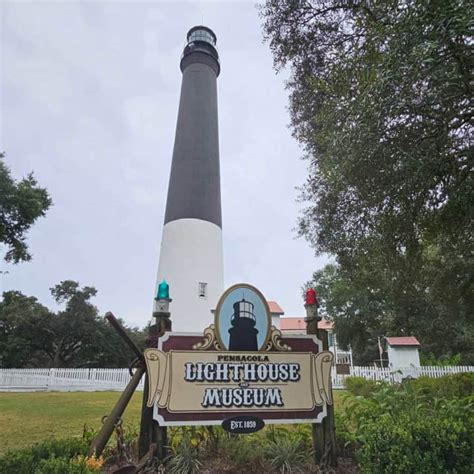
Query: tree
(75, 325)
(21, 203)
(26, 339)
(82, 337)
(356, 315)
(109, 349)
(380, 98)
(33, 336)
(366, 306)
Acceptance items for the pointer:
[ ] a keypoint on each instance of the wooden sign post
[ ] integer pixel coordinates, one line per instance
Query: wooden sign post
(324, 434)
(151, 433)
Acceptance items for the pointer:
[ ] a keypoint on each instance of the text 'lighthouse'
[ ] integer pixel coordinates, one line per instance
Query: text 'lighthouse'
(191, 254)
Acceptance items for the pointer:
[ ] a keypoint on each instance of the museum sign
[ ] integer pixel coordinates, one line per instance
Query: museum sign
(240, 365)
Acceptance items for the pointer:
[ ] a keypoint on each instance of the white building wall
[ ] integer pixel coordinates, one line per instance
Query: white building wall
(192, 252)
(403, 356)
(276, 320)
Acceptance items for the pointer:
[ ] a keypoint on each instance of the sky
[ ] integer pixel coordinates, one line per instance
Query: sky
(89, 101)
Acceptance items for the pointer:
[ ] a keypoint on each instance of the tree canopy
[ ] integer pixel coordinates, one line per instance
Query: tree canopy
(380, 98)
(25, 331)
(21, 203)
(31, 335)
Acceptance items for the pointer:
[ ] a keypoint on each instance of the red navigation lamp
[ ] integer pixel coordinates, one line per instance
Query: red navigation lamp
(311, 297)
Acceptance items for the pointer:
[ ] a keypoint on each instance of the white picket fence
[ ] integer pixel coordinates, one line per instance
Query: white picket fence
(392, 375)
(83, 380)
(64, 380)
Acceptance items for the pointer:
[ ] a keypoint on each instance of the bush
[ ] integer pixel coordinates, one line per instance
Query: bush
(274, 449)
(60, 448)
(184, 457)
(239, 451)
(420, 426)
(443, 361)
(62, 465)
(359, 386)
(50, 457)
(346, 439)
(449, 386)
(421, 445)
(288, 454)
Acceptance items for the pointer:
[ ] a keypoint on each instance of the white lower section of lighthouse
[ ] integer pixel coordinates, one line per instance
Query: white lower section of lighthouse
(191, 261)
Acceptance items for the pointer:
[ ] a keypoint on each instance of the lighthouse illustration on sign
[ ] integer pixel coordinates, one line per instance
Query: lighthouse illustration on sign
(242, 320)
(243, 334)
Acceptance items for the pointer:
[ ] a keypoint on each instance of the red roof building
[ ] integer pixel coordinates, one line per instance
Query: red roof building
(292, 324)
(402, 352)
(298, 325)
(275, 308)
(402, 341)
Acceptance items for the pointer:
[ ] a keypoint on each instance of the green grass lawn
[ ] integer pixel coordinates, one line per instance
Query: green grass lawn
(26, 418)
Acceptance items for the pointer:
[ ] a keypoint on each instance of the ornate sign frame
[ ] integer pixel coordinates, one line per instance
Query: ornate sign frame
(222, 301)
(195, 380)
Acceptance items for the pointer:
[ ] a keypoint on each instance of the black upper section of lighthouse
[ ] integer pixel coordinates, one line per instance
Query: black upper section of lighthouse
(202, 42)
(194, 186)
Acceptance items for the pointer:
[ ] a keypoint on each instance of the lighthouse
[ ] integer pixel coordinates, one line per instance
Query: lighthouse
(191, 253)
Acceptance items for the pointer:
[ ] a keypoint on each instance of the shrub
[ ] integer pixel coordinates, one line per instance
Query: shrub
(359, 386)
(61, 465)
(239, 451)
(282, 448)
(48, 457)
(346, 439)
(197, 436)
(443, 361)
(184, 457)
(456, 385)
(416, 445)
(60, 448)
(287, 454)
(17, 461)
(421, 426)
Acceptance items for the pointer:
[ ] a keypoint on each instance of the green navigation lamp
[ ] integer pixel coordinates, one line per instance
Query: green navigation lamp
(163, 291)
(162, 300)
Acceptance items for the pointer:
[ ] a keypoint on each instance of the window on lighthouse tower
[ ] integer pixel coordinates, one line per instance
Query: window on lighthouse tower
(202, 290)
